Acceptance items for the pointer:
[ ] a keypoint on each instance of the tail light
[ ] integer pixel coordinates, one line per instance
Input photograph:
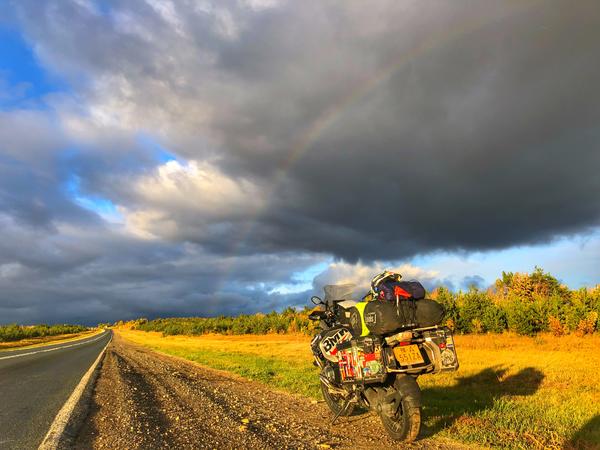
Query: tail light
(402, 338)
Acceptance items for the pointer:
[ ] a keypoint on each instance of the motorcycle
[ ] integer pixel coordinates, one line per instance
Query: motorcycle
(375, 371)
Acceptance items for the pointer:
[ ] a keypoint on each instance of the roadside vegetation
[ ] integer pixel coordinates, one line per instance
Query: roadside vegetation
(525, 304)
(287, 321)
(14, 332)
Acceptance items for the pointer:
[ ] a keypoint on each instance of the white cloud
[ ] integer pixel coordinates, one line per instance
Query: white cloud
(29, 136)
(361, 274)
(10, 270)
(262, 4)
(167, 11)
(196, 191)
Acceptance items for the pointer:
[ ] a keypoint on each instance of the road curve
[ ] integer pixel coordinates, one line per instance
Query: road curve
(36, 382)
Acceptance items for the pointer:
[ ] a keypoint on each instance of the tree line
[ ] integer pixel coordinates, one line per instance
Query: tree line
(14, 332)
(524, 303)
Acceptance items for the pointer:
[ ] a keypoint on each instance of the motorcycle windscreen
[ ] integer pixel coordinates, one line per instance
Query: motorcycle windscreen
(338, 292)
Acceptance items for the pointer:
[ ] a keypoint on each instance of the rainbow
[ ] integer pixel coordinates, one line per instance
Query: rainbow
(329, 116)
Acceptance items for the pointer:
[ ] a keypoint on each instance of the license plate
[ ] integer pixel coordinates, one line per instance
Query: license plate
(408, 355)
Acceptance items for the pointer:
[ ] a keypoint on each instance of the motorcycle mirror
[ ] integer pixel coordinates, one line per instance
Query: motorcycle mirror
(316, 300)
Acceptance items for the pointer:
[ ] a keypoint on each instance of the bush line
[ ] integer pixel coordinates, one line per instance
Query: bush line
(14, 332)
(519, 302)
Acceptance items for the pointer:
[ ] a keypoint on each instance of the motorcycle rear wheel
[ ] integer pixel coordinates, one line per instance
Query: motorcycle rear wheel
(405, 423)
(336, 402)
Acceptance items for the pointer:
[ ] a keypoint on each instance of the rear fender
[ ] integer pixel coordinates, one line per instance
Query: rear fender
(407, 386)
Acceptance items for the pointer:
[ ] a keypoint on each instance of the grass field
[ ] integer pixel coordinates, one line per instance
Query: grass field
(510, 392)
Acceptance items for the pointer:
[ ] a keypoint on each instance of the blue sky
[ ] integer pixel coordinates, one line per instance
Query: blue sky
(104, 207)
(25, 80)
(26, 83)
(574, 260)
(161, 153)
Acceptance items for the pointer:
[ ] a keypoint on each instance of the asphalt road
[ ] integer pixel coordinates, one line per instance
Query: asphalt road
(36, 382)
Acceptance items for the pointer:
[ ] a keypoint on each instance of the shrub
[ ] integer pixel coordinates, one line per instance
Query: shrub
(448, 300)
(477, 313)
(555, 326)
(470, 306)
(494, 319)
(288, 321)
(14, 332)
(525, 317)
(587, 325)
(476, 326)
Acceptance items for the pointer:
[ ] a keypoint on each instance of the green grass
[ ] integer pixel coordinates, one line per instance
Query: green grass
(511, 414)
(297, 378)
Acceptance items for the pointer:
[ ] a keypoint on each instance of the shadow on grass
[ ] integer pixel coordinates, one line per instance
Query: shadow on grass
(474, 394)
(588, 437)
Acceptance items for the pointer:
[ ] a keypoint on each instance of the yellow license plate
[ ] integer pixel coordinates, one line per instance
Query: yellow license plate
(408, 355)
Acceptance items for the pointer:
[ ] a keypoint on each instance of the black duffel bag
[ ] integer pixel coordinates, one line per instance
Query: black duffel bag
(402, 289)
(383, 317)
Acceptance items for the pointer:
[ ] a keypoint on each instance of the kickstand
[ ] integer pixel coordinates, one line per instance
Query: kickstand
(341, 411)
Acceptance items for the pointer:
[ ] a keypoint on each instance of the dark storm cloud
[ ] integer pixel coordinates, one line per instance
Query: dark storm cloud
(473, 281)
(486, 140)
(98, 275)
(31, 173)
(366, 132)
(482, 135)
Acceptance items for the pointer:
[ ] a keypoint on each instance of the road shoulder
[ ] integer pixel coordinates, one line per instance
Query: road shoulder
(69, 419)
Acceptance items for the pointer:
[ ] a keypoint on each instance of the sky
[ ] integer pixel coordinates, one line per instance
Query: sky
(162, 158)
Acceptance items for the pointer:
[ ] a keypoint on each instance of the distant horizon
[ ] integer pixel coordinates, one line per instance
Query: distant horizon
(297, 307)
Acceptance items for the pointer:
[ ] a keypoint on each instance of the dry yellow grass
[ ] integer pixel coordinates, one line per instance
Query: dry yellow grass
(510, 392)
(284, 346)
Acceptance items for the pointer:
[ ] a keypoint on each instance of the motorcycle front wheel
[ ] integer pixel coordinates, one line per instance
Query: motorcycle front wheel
(403, 423)
(336, 402)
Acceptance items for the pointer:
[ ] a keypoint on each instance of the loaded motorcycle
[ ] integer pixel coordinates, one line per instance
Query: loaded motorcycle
(371, 352)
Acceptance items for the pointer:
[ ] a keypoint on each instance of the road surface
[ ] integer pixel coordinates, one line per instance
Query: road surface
(36, 382)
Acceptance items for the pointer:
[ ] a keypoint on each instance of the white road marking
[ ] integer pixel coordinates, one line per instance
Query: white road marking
(57, 429)
(55, 348)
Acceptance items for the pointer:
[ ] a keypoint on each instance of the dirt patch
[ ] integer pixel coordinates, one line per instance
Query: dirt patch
(145, 400)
